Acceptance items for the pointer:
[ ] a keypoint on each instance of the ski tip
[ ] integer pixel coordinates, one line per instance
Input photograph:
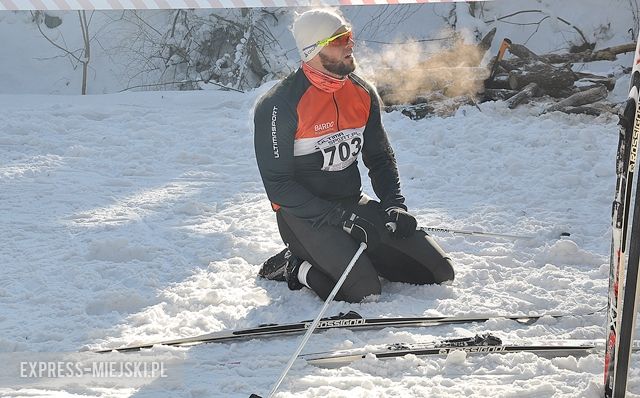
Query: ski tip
(255, 396)
(562, 234)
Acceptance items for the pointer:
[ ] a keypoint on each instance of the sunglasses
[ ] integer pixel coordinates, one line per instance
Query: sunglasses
(341, 39)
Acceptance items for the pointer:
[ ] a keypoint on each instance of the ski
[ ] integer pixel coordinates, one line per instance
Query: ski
(627, 321)
(623, 274)
(479, 344)
(350, 320)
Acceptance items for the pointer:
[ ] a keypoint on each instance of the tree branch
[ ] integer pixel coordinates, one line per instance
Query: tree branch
(547, 16)
(54, 43)
(181, 82)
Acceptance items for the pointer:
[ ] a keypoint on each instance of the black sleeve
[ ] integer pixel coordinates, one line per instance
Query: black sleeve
(379, 158)
(275, 127)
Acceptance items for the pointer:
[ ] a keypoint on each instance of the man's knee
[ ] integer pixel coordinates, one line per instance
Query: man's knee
(443, 271)
(360, 290)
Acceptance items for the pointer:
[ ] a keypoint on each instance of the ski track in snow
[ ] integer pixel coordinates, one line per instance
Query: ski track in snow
(138, 217)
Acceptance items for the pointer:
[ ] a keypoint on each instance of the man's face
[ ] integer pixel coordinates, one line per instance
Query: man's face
(337, 57)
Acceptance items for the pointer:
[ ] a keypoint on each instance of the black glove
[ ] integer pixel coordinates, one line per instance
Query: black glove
(400, 223)
(359, 228)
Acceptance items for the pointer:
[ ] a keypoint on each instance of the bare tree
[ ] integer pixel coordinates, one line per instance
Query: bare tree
(476, 9)
(635, 11)
(86, 54)
(183, 49)
(78, 56)
(576, 48)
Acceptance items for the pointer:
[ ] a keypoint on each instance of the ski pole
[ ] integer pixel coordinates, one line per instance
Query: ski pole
(391, 226)
(315, 322)
(476, 233)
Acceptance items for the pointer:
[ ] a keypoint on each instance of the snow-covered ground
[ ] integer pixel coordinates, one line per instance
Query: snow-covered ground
(137, 217)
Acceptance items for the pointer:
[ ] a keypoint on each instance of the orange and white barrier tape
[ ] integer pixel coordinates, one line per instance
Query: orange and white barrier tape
(15, 5)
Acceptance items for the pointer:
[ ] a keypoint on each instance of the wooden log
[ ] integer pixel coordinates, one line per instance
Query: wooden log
(419, 111)
(436, 104)
(578, 89)
(606, 54)
(568, 92)
(587, 110)
(581, 98)
(549, 78)
(607, 81)
(499, 82)
(522, 52)
(512, 64)
(496, 94)
(531, 90)
(595, 109)
(485, 42)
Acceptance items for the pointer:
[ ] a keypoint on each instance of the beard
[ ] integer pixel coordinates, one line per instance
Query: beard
(338, 67)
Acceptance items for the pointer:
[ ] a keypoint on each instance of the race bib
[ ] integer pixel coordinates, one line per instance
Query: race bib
(340, 149)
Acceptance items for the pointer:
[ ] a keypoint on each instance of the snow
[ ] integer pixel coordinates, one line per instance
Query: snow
(137, 217)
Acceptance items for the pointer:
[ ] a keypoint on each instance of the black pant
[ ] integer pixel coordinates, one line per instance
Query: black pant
(418, 259)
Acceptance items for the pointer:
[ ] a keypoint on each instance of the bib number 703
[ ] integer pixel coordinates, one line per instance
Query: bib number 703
(341, 155)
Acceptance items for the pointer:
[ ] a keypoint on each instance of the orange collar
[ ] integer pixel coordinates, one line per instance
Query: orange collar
(322, 81)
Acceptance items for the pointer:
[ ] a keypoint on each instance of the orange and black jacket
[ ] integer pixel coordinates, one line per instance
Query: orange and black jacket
(307, 142)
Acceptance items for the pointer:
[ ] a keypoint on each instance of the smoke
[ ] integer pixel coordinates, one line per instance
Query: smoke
(406, 72)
